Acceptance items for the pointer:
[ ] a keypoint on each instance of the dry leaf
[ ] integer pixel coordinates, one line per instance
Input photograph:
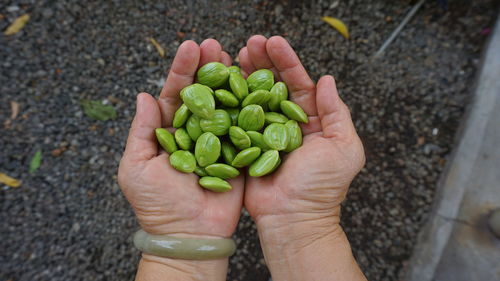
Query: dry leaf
(17, 25)
(12, 182)
(338, 25)
(14, 107)
(158, 47)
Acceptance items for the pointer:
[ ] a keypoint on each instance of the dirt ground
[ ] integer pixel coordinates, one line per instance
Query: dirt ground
(69, 220)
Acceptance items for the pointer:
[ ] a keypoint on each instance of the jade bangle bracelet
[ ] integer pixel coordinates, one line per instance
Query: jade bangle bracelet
(183, 248)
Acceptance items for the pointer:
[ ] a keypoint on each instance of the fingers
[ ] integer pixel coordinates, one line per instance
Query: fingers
(210, 51)
(181, 74)
(257, 53)
(334, 115)
(287, 63)
(226, 59)
(141, 142)
(245, 63)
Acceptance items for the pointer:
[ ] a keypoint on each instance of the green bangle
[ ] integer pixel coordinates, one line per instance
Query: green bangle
(183, 248)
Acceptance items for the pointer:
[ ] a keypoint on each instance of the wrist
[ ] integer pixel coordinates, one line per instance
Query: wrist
(307, 247)
(160, 268)
(292, 232)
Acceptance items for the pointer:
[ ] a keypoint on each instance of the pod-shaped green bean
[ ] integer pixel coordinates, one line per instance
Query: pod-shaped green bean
(246, 157)
(257, 140)
(277, 165)
(222, 171)
(228, 152)
(239, 138)
(181, 116)
(183, 139)
(166, 140)
(238, 85)
(234, 69)
(193, 127)
(251, 118)
(219, 123)
(199, 100)
(293, 111)
(212, 74)
(276, 136)
(183, 161)
(215, 184)
(260, 97)
(233, 114)
(226, 98)
(279, 92)
(207, 149)
(262, 79)
(200, 171)
(265, 164)
(294, 135)
(275, 117)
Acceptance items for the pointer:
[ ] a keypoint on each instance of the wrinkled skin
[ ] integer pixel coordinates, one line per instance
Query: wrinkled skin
(167, 201)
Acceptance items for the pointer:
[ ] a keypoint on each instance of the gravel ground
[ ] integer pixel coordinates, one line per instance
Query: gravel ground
(69, 221)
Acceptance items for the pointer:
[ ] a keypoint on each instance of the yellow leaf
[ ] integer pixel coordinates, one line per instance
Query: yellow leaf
(12, 182)
(338, 25)
(158, 47)
(17, 25)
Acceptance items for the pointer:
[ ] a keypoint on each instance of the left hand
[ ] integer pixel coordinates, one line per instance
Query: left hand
(165, 200)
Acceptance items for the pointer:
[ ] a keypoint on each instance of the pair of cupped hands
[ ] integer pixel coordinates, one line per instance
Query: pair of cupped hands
(307, 189)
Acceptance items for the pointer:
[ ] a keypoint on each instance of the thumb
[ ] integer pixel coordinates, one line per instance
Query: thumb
(141, 142)
(334, 114)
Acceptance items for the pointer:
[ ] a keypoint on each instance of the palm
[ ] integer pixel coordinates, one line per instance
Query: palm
(167, 201)
(316, 176)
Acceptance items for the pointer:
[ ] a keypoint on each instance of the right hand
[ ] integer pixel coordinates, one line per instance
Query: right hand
(308, 188)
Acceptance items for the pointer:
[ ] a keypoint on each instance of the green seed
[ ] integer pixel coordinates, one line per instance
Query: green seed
(181, 116)
(262, 79)
(215, 184)
(200, 171)
(246, 157)
(293, 111)
(279, 92)
(199, 100)
(276, 166)
(219, 123)
(239, 138)
(238, 85)
(265, 164)
(276, 136)
(275, 117)
(251, 118)
(233, 113)
(222, 171)
(294, 135)
(228, 152)
(257, 140)
(207, 149)
(183, 139)
(226, 98)
(260, 97)
(166, 140)
(193, 127)
(233, 69)
(183, 161)
(212, 74)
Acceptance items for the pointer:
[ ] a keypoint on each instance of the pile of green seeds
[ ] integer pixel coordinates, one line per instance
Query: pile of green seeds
(227, 122)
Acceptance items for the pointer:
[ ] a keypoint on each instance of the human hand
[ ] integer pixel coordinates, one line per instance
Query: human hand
(165, 200)
(300, 202)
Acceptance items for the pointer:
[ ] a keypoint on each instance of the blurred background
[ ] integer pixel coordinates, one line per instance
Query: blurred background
(67, 220)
